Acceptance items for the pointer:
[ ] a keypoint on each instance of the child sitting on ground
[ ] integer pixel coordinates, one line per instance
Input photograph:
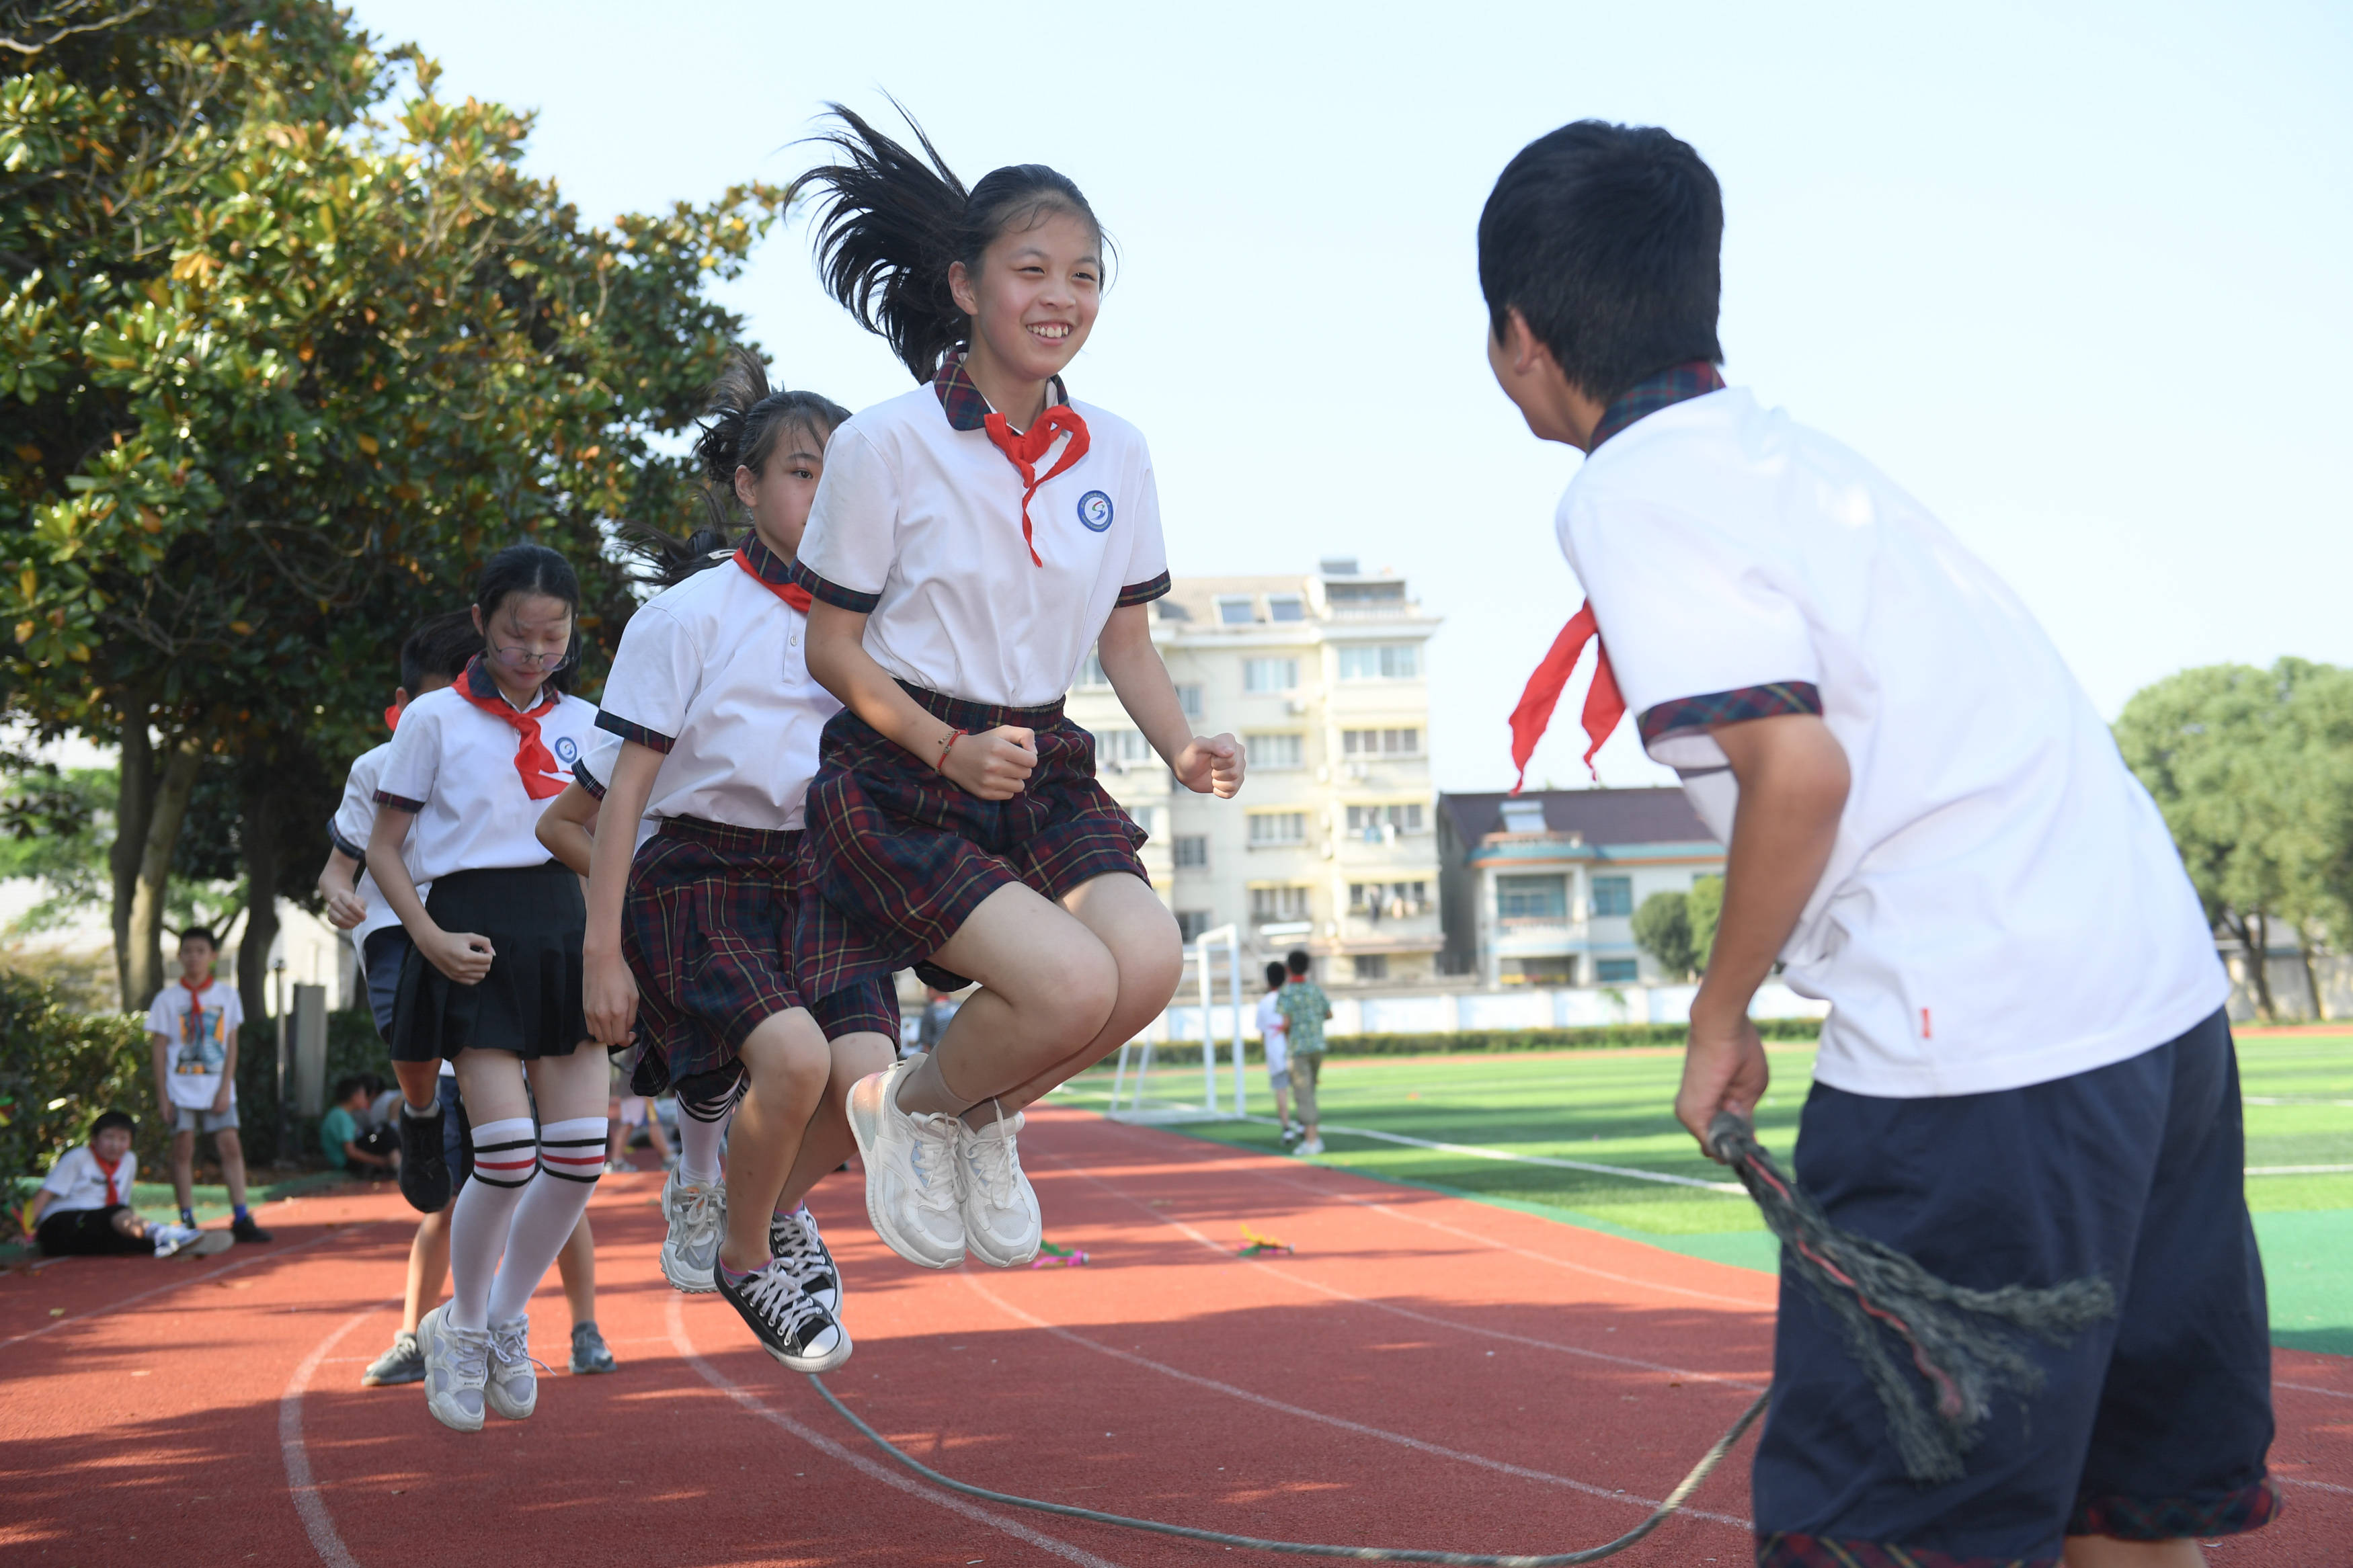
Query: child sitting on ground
(1305, 1007)
(84, 1210)
(347, 1140)
(1275, 1031)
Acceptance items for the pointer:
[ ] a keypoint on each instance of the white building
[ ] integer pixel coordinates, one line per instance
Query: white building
(1332, 845)
(1541, 888)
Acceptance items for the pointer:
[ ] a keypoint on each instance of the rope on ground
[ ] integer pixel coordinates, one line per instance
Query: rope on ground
(1674, 1500)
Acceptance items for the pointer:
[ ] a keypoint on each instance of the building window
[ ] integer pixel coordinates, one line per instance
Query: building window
(1392, 900)
(1538, 971)
(1236, 610)
(1274, 905)
(1090, 674)
(1523, 816)
(1285, 608)
(1617, 971)
(1191, 923)
(1143, 816)
(1372, 966)
(1531, 898)
(1375, 823)
(1192, 851)
(1381, 661)
(1275, 750)
(1270, 674)
(1404, 743)
(1612, 896)
(1188, 698)
(1117, 749)
(1268, 828)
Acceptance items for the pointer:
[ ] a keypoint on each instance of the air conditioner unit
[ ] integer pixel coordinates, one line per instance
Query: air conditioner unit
(1296, 705)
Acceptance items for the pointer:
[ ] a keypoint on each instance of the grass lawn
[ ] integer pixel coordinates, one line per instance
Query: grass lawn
(1610, 1108)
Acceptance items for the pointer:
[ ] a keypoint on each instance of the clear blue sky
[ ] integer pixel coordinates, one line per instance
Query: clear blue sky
(2079, 281)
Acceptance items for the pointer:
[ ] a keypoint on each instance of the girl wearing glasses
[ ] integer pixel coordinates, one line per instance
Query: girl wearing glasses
(492, 980)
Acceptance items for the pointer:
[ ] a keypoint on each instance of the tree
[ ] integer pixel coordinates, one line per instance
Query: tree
(1663, 929)
(285, 369)
(1706, 903)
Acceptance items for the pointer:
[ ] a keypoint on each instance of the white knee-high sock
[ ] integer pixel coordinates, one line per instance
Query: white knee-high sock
(571, 1156)
(701, 1128)
(506, 1158)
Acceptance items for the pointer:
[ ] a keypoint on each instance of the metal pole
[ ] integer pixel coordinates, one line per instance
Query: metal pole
(285, 1057)
(1234, 989)
(1208, 1025)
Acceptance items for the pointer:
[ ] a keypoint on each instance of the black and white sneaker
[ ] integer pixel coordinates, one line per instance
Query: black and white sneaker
(791, 1325)
(801, 1251)
(424, 1169)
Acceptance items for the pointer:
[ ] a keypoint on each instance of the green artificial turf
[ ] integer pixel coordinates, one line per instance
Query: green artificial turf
(1612, 1108)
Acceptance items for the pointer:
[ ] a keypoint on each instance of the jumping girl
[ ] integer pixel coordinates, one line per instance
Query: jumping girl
(691, 934)
(492, 978)
(971, 541)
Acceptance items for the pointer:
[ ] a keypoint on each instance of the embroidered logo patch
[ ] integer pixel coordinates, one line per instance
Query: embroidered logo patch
(1094, 511)
(567, 749)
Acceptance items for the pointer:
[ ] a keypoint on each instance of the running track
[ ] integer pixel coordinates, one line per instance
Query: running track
(1426, 1372)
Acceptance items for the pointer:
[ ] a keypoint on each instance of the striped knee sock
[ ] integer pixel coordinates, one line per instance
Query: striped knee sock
(703, 1113)
(506, 1156)
(571, 1157)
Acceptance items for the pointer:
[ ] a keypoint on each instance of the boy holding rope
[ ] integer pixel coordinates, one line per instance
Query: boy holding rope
(2027, 1076)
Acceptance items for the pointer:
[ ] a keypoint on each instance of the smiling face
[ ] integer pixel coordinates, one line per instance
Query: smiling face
(780, 495)
(1036, 296)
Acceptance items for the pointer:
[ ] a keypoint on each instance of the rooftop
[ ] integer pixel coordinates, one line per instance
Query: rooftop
(1599, 816)
(1201, 604)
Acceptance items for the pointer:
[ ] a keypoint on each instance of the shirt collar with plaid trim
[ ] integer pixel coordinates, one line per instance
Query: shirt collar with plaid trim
(966, 408)
(767, 565)
(1661, 389)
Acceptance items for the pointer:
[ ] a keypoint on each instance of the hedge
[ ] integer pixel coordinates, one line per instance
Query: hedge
(1471, 1042)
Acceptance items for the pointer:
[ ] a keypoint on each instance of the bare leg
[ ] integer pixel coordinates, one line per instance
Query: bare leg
(618, 1145)
(230, 1151)
(1137, 929)
(2106, 1552)
(577, 1266)
(1283, 1106)
(184, 1168)
(654, 1135)
(787, 1063)
(429, 1266)
(826, 1142)
(420, 1083)
(126, 1222)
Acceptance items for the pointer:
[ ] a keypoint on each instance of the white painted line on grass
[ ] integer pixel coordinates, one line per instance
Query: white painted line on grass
(2298, 1170)
(1477, 1152)
(2289, 1099)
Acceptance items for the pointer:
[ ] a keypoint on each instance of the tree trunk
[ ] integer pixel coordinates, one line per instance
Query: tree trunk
(143, 970)
(258, 837)
(134, 802)
(2311, 979)
(2256, 933)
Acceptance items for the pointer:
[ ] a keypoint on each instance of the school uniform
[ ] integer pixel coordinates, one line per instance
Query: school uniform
(378, 940)
(197, 1025)
(983, 581)
(712, 673)
(477, 773)
(85, 1196)
(2026, 1075)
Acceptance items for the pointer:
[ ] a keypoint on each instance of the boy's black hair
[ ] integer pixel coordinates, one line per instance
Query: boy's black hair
(441, 645)
(1297, 960)
(350, 1083)
(1275, 976)
(534, 569)
(893, 221)
(1608, 239)
(203, 935)
(106, 1119)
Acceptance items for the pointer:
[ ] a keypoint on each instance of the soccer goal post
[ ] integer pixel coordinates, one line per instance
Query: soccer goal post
(1146, 1089)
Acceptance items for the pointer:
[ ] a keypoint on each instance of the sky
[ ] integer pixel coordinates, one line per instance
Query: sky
(2076, 278)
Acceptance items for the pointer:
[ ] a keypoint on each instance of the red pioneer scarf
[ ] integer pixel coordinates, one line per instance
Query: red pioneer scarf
(1024, 450)
(792, 594)
(533, 759)
(113, 1192)
(1603, 706)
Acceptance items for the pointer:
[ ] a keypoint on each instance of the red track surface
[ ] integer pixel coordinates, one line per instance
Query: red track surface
(1426, 1372)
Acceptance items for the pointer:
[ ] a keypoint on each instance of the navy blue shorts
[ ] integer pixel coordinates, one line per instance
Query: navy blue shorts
(2152, 1426)
(456, 1133)
(386, 949)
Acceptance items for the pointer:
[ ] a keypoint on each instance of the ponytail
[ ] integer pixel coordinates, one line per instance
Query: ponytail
(893, 221)
(670, 560)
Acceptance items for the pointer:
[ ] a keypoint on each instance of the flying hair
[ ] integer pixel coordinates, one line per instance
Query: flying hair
(741, 419)
(891, 221)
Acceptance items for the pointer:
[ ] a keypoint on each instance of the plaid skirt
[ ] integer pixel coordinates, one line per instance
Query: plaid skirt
(707, 929)
(899, 856)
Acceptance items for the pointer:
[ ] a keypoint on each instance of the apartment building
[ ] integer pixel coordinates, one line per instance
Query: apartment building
(1540, 888)
(1332, 845)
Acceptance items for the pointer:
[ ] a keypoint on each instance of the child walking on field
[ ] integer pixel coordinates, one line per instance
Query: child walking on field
(970, 542)
(2026, 1076)
(1304, 1010)
(1273, 1030)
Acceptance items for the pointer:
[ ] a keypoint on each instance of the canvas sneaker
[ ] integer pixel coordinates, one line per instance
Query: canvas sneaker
(1312, 1147)
(246, 1230)
(791, 1325)
(513, 1386)
(589, 1353)
(456, 1366)
(697, 1218)
(404, 1362)
(424, 1167)
(910, 1172)
(1001, 1223)
(794, 1242)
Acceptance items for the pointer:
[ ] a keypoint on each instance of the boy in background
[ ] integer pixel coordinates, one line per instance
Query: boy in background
(347, 1140)
(1274, 1031)
(1305, 1007)
(84, 1210)
(192, 1026)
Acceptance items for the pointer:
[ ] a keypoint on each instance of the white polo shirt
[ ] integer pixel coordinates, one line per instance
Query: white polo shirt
(2003, 905)
(713, 674)
(454, 766)
(918, 525)
(594, 770)
(353, 822)
(78, 1181)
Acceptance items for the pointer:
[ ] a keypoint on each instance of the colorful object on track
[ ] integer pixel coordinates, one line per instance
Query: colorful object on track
(1255, 1244)
(1072, 1257)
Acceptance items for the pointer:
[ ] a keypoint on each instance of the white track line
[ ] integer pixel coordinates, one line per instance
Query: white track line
(1475, 1152)
(2308, 1388)
(317, 1523)
(1359, 1429)
(274, 1252)
(2316, 1486)
(871, 1468)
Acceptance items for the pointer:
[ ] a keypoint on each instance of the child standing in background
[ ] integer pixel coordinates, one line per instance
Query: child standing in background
(1275, 1030)
(1305, 1007)
(191, 1026)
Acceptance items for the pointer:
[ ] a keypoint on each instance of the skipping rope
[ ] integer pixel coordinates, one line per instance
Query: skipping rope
(1963, 1343)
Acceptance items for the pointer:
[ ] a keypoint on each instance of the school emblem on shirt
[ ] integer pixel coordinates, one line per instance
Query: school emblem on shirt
(567, 749)
(1094, 511)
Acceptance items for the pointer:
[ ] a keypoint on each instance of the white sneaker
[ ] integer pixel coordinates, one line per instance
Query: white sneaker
(512, 1388)
(1002, 1225)
(169, 1238)
(795, 1243)
(457, 1365)
(1312, 1147)
(697, 1218)
(910, 1172)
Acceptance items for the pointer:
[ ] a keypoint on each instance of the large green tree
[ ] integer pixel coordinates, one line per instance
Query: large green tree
(283, 355)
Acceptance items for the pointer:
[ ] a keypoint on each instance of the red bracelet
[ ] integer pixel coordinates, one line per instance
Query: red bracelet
(941, 766)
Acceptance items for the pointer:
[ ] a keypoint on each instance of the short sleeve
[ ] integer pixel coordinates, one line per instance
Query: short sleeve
(845, 556)
(594, 770)
(232, 1008)
(355, 819)
(655, 674)
(1700, 627)
(415, 761)
(159, 1015)
(1146, 577)
(63, 1175)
